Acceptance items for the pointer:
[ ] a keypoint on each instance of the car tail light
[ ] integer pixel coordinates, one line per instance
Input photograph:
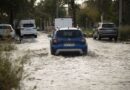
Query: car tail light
(11, 30)
(83, 40)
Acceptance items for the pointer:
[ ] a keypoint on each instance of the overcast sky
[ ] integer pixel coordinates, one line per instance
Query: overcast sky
(77, 1)
(80, 1)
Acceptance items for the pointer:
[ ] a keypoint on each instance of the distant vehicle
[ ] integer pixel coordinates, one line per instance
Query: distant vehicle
(106, 30)
(68, 40)
(28, 28)
(63, 22)
(6, 30)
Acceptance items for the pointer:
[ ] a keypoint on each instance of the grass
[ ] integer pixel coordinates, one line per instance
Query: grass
(10, 70)
(7, 47)
(124, 33)
(8, 76)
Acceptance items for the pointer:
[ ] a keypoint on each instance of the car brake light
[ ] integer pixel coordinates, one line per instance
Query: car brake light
(83, 40)
(11, 30)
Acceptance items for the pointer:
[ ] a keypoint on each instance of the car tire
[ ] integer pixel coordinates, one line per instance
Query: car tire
(94, 37)
(52, 52)
(85, 53)
(115, 39)
(110, 38)
(35, 36)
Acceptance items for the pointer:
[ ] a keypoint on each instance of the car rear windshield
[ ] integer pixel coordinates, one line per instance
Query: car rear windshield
(5, 27)
(69, 34)
(28, 25)
(108, 25)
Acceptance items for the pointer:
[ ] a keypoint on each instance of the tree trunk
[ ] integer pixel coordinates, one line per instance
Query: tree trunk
(73, 12)
(11, 16)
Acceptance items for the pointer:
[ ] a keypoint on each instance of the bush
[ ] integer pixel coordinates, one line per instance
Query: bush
(7, 47)
(10, 72)
(124, 33)
(8, 76)
(88, 32)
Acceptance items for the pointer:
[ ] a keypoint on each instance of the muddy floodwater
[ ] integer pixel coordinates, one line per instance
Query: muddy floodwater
(106, 67)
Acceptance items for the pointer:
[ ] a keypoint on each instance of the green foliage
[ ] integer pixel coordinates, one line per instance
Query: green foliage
(15, 9)
(124, 33)
(11, 70)
(126, 13)
(88, 15)
(113, 16)
(81, 18)
(7, 47)
(103, 6)
(8, 74)
(93, 14)
(96, 8)
(7, 44)
(47, 10)
(88, 32)
(92, 10)
(8, 77)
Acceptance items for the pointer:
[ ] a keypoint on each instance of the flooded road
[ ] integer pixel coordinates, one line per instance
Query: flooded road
(106, 67)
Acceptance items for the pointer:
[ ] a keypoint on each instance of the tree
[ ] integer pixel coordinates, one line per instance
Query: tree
(88, 14)
(104, 7)
(12, 7)
(126, 13)
(47, 10)
(73, 13)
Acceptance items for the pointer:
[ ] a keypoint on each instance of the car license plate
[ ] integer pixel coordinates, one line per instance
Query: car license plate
(68, 44)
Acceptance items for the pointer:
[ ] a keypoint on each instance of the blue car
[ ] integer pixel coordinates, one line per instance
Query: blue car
(68, 40)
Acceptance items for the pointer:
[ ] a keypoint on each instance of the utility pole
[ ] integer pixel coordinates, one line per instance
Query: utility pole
(120, 12)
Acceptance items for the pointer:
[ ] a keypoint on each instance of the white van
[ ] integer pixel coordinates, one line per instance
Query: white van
(28, 28)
